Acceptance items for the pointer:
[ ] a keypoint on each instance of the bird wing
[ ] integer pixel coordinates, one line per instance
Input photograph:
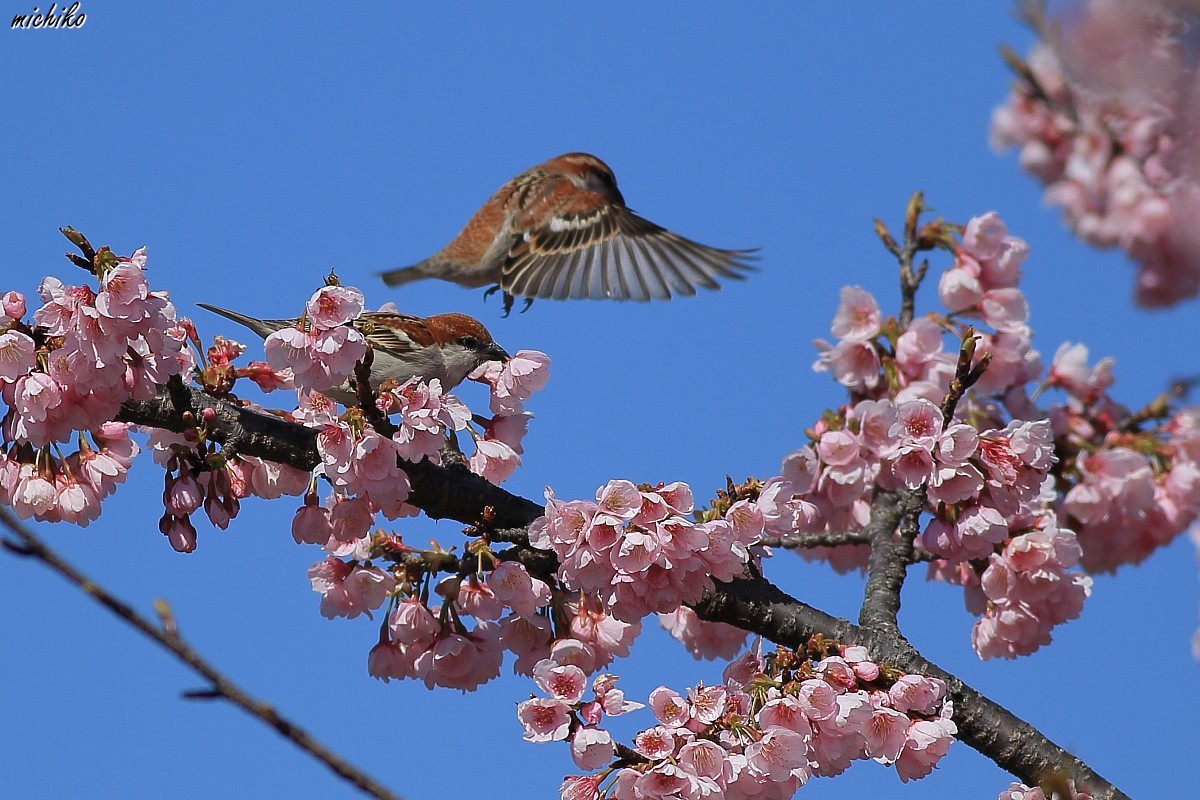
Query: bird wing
(607, 251)
(387, 331)
(394, 333)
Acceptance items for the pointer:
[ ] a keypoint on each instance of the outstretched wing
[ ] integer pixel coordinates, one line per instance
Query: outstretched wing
(607, 251)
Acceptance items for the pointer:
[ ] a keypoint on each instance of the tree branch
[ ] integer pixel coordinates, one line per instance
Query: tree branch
(440, 492)
(167, 637)
(754, 605)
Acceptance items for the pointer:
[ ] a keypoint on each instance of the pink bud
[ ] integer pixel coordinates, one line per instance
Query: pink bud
(13, 304)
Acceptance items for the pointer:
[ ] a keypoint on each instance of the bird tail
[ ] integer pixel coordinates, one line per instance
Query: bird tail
(399, 277)
(263, 327)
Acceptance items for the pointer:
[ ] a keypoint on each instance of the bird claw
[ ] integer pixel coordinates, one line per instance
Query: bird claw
(508, 300)
(508, 304)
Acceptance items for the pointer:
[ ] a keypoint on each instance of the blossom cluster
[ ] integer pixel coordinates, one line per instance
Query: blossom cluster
(323, 352)
(771, 724)
(635, 551)
(65, 373)
(1018, 496)
(507, 608)
(1128, 502)
(1101, 115)
(1019, 791)
(197, 478)
(498, 447)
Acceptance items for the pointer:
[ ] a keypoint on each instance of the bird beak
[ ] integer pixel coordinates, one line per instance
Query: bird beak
(497, 353)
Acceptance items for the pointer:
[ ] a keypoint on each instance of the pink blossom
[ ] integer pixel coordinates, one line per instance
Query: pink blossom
(509, 428)
(516, 588)
(780, 754)
(386, 661)
(1029, 591)
(1019, 791)
(985, 236)
(1069, 370)
(266, 378)
(917, 693)
(514, 381)
(959, 290)
(612, 699)
(426, 415)
(669, 707)
(180, 533)
(972, 535)
(16, 355)
(1005, 310)
(855, 365)
(708, 703)
(347, 591)
(575, 787)
(332, 306)
(269, 480)
(705, 759)
(125, 295)
(183, 494)
(350, 518)
(858, 317)
(493, 460)
(528, 638)
(1106, 130)
(591, 748)
(319, 359)
(926, 741)
(703, 639)
(885, 734)
(310, 525)
(562, 682)
(618, 501)
(662, 780)
(412, 625)
(785, 712)
(545, 720)
(818, 699)
(463, 661)
(655, 743)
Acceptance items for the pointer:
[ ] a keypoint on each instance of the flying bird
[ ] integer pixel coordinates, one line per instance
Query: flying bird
(445, 346)
(562, 230)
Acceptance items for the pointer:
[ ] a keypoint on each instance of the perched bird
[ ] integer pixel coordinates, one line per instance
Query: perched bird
(562, 230)
(445, 346)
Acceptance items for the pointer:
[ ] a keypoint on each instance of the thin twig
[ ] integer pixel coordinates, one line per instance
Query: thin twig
(167, 637)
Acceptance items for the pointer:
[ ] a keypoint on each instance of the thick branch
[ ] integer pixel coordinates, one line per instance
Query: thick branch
(441, 493)
(889, 559)
(167, 637)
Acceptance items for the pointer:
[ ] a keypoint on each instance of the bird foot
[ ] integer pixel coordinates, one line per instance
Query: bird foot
(509, 299)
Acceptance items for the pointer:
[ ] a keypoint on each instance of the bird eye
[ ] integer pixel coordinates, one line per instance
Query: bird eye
(469, 342)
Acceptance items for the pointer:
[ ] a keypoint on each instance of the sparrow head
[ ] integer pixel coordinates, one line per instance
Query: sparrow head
(465, 344)
(588, 173)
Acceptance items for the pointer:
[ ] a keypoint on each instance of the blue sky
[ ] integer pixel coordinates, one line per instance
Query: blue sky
(253, 146)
